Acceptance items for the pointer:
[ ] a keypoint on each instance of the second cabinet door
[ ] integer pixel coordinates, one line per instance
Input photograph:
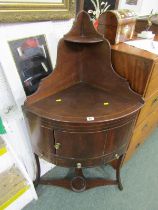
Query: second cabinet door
(118, 137)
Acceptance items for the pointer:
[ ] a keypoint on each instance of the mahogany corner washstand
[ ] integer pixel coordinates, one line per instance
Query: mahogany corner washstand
(82, 114)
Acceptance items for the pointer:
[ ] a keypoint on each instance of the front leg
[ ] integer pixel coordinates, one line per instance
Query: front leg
(38, 171)
(118, 168)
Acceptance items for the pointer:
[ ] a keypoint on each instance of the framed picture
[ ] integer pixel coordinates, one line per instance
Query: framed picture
(97, 7)
(35, 10)
(132, 2)
(134, 5)
(32, 61)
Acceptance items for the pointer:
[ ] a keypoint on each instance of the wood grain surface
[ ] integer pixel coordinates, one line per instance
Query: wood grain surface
(82, 115)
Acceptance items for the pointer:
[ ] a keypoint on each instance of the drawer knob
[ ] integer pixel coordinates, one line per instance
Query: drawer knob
(116, 156)
(154, 101)
(79, 165)
(145, 126)
(57, 146)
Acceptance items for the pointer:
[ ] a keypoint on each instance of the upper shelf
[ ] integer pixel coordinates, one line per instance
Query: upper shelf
(83, 31)
(83, 39)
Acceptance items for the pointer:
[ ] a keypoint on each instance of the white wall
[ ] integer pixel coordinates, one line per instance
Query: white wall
(148, 6)
(143, 7)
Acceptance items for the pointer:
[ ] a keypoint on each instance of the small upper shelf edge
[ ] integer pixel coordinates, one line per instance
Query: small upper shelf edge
(82, 31)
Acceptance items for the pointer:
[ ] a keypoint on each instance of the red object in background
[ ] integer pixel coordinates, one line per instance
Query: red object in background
(96, 24)
(30, 43)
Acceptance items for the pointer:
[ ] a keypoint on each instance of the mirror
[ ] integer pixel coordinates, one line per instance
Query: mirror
(35, 10)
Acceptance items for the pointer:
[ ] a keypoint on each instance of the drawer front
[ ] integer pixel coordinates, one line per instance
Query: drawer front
(152, 87)
(153, 83)
(80, 144)
(115, 155)
(141, 132)
(155, 71)
(151, 105)
(89, 162)
(73, 162)
(135, 143)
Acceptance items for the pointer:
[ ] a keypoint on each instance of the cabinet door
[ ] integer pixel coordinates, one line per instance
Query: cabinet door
(42, 138)
(118, 137)
(45, 142)
(80, 144)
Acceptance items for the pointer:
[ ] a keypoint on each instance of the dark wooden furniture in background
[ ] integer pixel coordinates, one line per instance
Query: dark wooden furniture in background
(117, 25)
(82, 115)
(140, 68)
(88, 5)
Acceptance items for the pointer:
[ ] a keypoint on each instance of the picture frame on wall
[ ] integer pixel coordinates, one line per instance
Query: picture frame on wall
(32, 60)
(35, 10)
(97, 7)
(134, 5)
(132, 2)
(88, 4)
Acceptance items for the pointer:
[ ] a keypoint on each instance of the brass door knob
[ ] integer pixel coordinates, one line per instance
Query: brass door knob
(116, 156)
(57, 146)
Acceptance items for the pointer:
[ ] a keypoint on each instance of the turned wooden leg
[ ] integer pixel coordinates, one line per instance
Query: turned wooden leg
(118, 178)
(38, 171)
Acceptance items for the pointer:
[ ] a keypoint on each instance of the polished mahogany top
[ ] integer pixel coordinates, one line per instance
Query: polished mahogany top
(80, 101)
